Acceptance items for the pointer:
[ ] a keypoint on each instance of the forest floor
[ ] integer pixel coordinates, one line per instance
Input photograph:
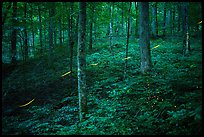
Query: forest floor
(38, 100)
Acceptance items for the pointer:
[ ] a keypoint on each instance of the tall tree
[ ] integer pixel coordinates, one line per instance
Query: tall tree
(136, 21)
(60, 30)
(25, 32)
(111, 27)
(14, 32)
(81, 61)
(128, 35)
(185, 29)
(40, 23)
(179, 16)
(50, 31)
(54, 24)
(154, 20)
(173, 18)
(164, 20)
(144, 39)
(168, 19)
(122, 18)
(71, 39)
(91, 26)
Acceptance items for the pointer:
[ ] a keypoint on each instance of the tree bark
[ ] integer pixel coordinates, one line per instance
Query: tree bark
(50, 31)
(154, 20)
(111, 28)
(144, 40)
(81, 62)
(128, 35)
(25, 33)
(179, 16)
(185, 28)
(122, 19)
(71, 40)
(40, 22)
(14, 33)
(91, 27)
(136, 21)
(164, 20)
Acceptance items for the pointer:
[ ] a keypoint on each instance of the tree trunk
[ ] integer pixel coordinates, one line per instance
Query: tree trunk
(13, 35)
(76, 31)
(91, 27)
(111, 29)
(154, 20)
(179, 17)
(45, 39)
(60, 31)
(136, 21)
(40, 22)
(164, 20)
(25, 33)
(122, 19)
(71, 40)
(173, 19)
(54, 24)
(144, 40)
(81, 62)
(33, 32)
(185, 28)
(90, 39)
(168, 21)
(50, 32)
(128, 35)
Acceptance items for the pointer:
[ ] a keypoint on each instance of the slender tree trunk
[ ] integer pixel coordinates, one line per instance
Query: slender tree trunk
(91, 27)
(40, 22)
(71, 41)
(128, 35)
(111, 29)
(25, 33)
(173, 19)
(50, 32)
(122, 19)
(154, 20)
(60, 31)
(164, 20)
(90, 39)
(14, 33)
(168, 21)
(45, 40)
(136, 21)
(81, 62)
(33, 33)
(179, 17)
(144, 40)
(54, 24)
(185, 28)
(76, 31)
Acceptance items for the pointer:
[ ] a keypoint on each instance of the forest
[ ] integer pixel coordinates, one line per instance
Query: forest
(101, 68)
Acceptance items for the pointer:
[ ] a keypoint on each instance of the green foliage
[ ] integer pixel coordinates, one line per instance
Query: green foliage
(167, 100)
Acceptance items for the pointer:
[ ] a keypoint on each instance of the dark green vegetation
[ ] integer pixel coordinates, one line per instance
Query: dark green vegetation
(127, 68)
(165, 101)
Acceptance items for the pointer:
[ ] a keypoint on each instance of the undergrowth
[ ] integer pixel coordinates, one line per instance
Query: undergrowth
(167, 100)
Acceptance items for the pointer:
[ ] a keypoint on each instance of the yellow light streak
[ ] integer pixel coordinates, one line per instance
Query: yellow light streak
(94, 64)
(199, 22)
(66, 74)
(127, 58)
(27, 103)
(155, 47)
